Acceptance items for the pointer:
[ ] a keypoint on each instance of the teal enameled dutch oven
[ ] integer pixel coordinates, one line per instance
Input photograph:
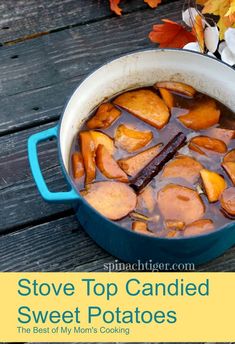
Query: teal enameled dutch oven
(133, 70)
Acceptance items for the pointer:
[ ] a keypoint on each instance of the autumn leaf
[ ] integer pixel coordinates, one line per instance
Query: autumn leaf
(114, 6)
(153, 3)
(201, 2)
(171, 35)
(225, 9)
(198, 31)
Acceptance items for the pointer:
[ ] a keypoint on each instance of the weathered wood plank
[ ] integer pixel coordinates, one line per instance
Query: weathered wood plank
(20, 201)
(55, 246)
(62, 245)
(44, 71)
(23, 18)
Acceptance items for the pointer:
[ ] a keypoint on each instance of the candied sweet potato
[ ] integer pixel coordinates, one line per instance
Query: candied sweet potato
(113, 200)
(225, 135)
(168, 97)
(195, 148)
(103, 139)
(230, 169)
(77, 165)
(141, 227)
(131, 139)
(105, 115)
(214, 184)
(108, 166)
(146, 199)
(88, 153)
(146, 105)
(174, 225)
(183, 167)
(227, 201)
(199, 227)
(208, 143)
(180, 203)
(133, 165)
(178, 87)
(230, 156)
(172, 233)
(229, 165)
(203, 115)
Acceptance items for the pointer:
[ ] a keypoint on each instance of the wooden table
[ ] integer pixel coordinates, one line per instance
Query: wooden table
(47, 47)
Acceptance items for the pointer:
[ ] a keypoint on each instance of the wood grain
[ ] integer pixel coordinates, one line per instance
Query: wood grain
(46, 70)
(20, 201)
(24, 18)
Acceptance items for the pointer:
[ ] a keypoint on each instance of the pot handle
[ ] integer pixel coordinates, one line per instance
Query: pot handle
(59, 197)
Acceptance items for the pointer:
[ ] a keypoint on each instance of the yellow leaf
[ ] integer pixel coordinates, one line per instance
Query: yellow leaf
(199, 32)
(231, 10)
(220, 8)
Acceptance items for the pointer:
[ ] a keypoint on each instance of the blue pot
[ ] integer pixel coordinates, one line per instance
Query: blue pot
(133, 70)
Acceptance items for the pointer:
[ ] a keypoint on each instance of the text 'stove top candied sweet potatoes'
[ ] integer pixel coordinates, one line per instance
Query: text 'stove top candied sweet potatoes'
(159, 160)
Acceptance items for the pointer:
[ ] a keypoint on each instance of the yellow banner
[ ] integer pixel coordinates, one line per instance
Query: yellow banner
(122, 307)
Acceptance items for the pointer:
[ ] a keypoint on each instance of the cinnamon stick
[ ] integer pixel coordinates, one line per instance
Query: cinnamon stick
(145, 176)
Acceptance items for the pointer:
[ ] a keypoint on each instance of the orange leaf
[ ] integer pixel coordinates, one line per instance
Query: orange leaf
(201, 2)
(114, 7)
(198, 30)
(171, 35)
(153, 3)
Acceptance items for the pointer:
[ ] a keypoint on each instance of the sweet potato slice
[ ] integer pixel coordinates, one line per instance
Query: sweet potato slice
(203, 115)
(146, 105)
(227, 201)
(172, 234)
(174, 225)
(213, 183)
(230, 156)
(108, 166)
(195, 148)
(178, 87)
(88, 153)
(77, 165)
(184, 167)
(114, 200)
(208, 143)
(106, 114)
(146, 199)
(103, 139)
(230, 169)
(136, 163)
(141, 227)
(131, 139)
(199, 227)
(225, 135)
(167, 97)
(229, 165)
(180, 203)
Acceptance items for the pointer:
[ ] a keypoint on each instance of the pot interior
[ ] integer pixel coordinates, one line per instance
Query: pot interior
(140, 69)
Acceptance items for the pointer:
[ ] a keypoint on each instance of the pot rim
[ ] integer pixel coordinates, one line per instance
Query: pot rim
(73, 184)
